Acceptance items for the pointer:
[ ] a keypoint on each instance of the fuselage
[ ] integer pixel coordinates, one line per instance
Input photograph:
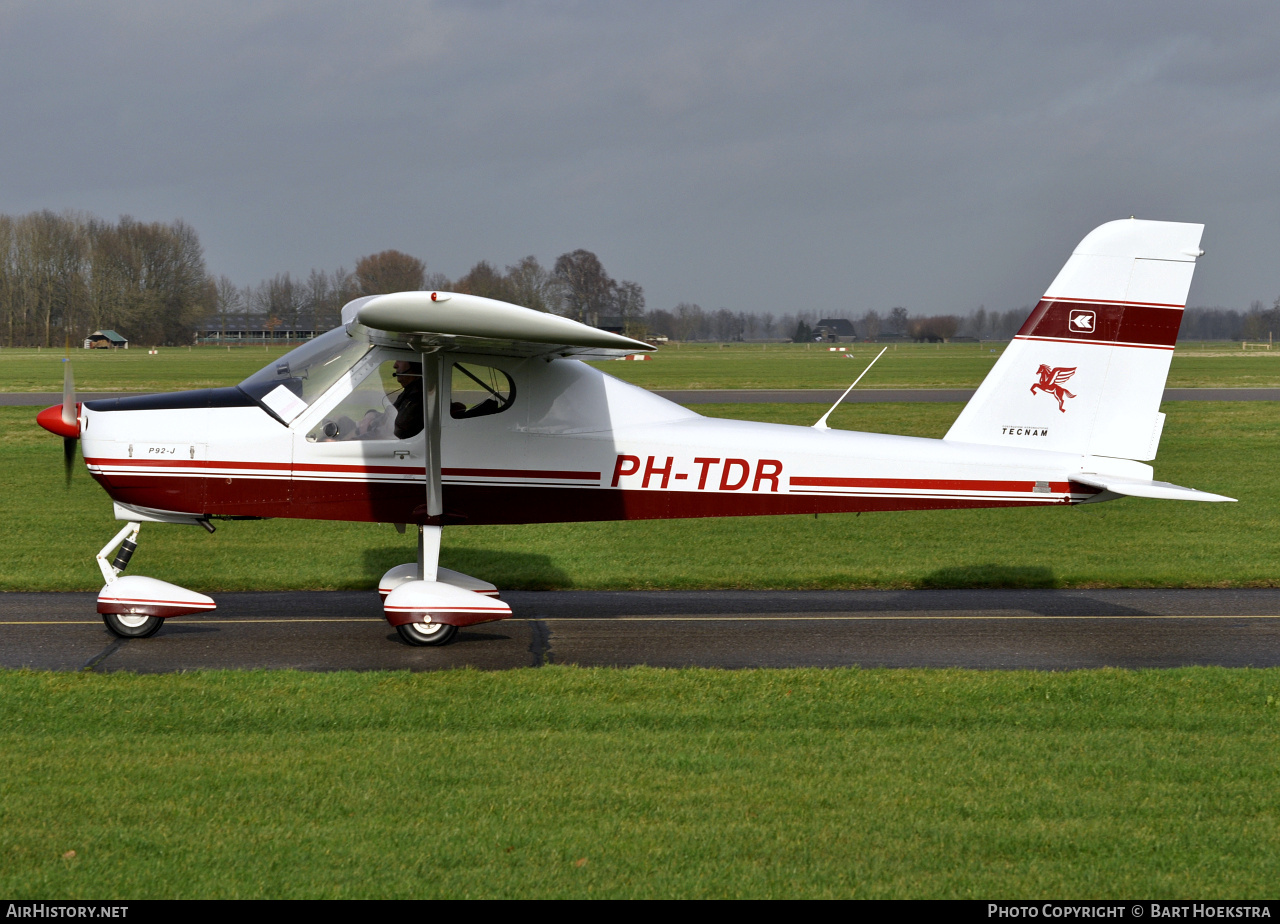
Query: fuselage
(574, 444)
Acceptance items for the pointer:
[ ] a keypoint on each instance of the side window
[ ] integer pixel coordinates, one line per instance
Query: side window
(477, 391)
(386, 405)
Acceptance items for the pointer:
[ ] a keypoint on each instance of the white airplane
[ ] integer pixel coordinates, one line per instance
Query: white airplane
(437, 409)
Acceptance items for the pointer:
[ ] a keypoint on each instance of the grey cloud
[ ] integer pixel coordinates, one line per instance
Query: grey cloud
(845, 156)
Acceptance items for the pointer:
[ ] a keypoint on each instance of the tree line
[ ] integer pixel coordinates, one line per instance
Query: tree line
(65, 275)
(691, 322)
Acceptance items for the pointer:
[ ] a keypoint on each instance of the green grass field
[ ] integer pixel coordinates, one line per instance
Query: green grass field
(775, 365)
(641, 783)
(53, 533)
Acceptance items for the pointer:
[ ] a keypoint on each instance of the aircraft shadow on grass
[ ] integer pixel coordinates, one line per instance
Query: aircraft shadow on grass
(990, 576)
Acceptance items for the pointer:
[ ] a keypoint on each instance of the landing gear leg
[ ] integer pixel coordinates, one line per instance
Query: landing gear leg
(427, 633)
(136, 606)
(125, 625)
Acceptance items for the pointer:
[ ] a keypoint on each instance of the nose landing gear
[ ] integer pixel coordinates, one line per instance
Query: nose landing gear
(136, 606)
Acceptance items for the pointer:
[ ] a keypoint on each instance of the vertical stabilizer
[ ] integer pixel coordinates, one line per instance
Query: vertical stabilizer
(1086, 372)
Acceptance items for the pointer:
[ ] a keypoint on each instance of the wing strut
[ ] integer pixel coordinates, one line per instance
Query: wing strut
(433, 371)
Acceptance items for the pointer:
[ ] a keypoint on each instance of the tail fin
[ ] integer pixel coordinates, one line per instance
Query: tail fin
(1086, 372)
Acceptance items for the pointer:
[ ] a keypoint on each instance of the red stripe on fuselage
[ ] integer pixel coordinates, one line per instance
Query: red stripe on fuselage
(1111, 323)
(307, 467)
(194, 463)
(924, 484)
(480, 504)
(517, 473)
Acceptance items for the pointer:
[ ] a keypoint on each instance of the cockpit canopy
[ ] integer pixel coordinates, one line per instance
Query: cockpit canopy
(291, 383)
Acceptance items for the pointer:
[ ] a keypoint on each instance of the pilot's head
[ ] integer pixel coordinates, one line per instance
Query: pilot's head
(407, 373)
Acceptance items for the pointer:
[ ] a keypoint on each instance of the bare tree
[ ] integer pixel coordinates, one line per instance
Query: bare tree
(389, 271)
(871, 325)
(7, 278)
(725, 326)
(228, 303)
(437, 282)
(628, 302)
(661, 323)
(587, 288)
(939, 327)
(977, 322)
(284, 301)
(689, 321)
(485, 281)
(533, 286)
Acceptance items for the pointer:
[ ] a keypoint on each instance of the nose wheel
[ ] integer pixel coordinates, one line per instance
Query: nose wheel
(129, 625)
(427, 633)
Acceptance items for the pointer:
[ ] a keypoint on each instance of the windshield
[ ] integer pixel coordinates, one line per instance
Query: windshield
(292, 382)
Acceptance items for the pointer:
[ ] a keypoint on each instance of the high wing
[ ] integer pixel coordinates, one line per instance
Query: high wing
(444, 322)
(454, 322)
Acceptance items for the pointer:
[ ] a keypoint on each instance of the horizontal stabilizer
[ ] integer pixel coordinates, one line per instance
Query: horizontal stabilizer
(1160, 489)
(468, 323)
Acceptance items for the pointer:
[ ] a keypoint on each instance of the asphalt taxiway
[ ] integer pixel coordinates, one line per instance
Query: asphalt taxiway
(985, 629)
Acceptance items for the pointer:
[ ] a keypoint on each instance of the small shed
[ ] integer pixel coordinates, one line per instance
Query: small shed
(105, 340)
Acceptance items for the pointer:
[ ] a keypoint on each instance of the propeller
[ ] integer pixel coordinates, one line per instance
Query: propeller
(69, 419)
(63, 420)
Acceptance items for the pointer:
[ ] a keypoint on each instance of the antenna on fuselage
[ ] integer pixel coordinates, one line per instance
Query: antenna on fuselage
(822, 421)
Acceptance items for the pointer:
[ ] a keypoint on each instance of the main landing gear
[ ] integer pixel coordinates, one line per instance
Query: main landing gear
(427, 604)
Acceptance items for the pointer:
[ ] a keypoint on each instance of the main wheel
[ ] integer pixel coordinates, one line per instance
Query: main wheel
(132, 625)
(427, 633)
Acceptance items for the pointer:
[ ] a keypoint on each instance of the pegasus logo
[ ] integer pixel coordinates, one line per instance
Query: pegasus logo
(1051, 382)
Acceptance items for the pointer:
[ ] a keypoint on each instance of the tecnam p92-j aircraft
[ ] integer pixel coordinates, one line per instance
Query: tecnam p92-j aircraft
(437, 409)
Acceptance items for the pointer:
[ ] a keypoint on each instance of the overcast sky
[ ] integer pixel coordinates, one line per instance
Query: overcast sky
(758, 156)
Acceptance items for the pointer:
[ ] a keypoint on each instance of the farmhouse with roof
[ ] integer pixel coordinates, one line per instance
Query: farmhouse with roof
(833, 330)
(105, 340)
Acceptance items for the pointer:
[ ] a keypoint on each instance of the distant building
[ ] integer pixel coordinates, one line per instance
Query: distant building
(256, 331)
(834, 330)
(105, 340)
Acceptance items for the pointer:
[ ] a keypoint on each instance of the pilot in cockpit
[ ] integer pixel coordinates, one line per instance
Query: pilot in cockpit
(408, 404)
(398, 413)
